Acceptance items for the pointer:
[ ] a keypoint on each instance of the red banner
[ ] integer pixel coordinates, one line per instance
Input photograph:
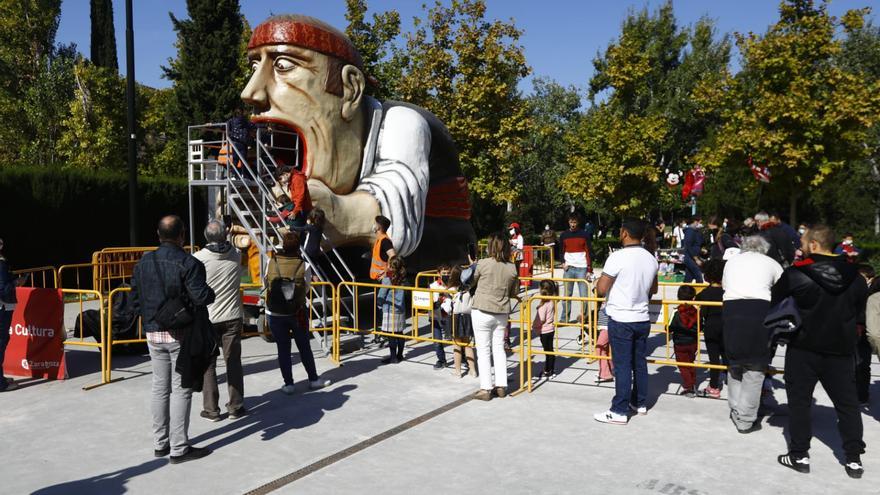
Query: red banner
(36, 343)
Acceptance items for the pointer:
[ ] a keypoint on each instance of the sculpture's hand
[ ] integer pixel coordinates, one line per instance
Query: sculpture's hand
(350, 217)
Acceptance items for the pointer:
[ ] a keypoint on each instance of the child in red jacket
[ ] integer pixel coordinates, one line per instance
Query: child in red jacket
(684, 338)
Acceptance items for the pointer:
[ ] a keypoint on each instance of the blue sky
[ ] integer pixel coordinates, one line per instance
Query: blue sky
(560, 38)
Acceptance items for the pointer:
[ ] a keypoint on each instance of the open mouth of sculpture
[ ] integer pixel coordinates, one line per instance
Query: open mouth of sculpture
(285, 142)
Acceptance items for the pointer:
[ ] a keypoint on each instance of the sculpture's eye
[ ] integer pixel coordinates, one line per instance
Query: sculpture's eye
(283, 64)
(254, 64)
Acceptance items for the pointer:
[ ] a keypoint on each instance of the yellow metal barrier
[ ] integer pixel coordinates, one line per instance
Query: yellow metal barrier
(542, 260)
(39, 277)
(588, 352)
(423, 296)
(83, 296)
(141, 338)
(101, 277)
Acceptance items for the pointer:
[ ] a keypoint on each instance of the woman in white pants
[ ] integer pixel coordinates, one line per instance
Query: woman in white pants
(497, 283)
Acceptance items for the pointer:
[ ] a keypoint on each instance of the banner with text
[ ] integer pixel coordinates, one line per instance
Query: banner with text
(36, 335)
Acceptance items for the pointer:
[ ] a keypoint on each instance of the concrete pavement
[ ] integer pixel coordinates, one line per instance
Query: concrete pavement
(59, 439)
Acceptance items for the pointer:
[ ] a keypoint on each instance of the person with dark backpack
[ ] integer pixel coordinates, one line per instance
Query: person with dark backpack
(830, 296)
(286, 312)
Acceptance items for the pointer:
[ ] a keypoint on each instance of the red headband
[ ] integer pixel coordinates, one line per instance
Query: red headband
(307, 32)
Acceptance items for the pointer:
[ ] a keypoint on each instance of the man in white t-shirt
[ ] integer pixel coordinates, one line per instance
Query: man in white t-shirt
(629, 279)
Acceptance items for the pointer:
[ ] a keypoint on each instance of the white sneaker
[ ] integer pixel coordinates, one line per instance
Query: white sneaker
(611, 418)
(288, 389)
(319, 384)
(639, 410)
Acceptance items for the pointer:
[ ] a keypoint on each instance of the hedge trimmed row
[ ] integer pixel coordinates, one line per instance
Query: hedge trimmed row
(52, 216)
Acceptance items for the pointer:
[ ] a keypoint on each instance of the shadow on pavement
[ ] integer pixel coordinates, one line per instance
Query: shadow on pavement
(106, 484)
(275, 414)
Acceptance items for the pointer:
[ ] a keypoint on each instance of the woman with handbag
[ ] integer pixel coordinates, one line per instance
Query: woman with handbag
(286, 312)
(458, 323)
(497, 283)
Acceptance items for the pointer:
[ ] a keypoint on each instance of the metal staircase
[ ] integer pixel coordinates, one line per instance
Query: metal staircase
(245, 192)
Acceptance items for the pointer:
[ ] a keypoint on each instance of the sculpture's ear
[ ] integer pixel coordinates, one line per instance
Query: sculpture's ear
(353, 84)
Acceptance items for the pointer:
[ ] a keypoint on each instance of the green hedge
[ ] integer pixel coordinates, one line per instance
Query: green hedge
(54, 217)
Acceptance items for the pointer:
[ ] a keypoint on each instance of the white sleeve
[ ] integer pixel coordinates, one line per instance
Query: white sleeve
(612, 265)
(399, 180)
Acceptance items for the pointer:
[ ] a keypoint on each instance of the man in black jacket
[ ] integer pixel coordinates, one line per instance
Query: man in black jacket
(692, 244)
(782, 247)
(830, 296)
(165, 273)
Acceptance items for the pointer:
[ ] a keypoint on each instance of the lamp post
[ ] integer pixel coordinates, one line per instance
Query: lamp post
(132, 142)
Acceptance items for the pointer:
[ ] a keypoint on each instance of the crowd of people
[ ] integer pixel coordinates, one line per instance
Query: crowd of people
(761, 271)
(778, 286)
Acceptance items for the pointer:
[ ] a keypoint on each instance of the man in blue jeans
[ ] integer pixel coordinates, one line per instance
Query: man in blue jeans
(629, 279)
(576, 264)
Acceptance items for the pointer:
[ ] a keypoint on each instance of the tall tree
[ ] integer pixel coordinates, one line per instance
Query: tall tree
(103, 41)
(553, 110)
(465, 69)
(94, 131)
(208, 63)
(860, 53)
(32, 69)
(643, 121)
(792, 106)
(374, 40)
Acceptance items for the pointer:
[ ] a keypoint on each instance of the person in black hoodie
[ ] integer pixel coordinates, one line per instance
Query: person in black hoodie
(830, 295)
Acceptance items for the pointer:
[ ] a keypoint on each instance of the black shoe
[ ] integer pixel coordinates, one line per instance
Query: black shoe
(439, 365)
(690, 394)
(191, 454)
(400, 357)
(854, 469)
(799, 464)
(388, 360)
(756, 426)
(238, 414)
(212, 417)
(162, 452)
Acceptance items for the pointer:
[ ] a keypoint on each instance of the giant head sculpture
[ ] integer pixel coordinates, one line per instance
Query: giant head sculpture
(362, 158)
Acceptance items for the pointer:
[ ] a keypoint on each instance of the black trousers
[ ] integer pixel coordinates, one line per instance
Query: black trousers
(837, 375)
(715, 350)
(395, 346)
(547, 343)
(863, 368)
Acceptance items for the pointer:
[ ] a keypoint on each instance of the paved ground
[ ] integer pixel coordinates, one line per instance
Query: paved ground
(59, 439)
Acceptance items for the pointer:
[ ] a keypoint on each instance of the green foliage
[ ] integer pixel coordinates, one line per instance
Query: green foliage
(465, 69)
(94, 131)
(33, 76)
(24, 45)
(86, 203)
(553, 110)
(208, 65)
(644, 121)
(792, 107)
(373, 40)
(103, 40)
